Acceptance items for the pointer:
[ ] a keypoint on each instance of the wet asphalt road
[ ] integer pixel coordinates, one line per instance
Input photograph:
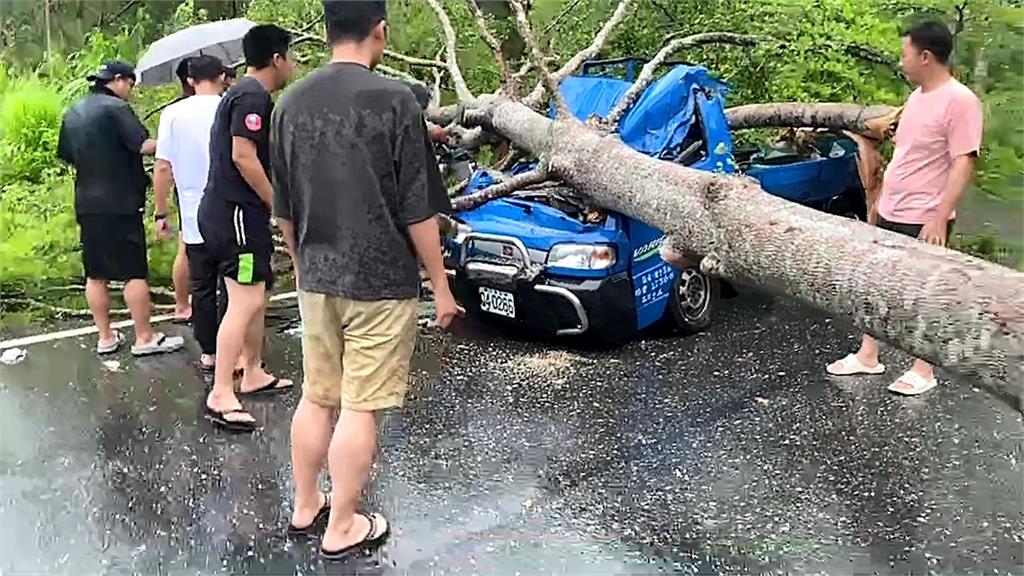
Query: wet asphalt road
(725, 453)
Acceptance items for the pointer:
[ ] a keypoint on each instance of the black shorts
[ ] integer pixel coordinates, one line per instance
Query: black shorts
(113, 246)
(239, 238)
(912, 230)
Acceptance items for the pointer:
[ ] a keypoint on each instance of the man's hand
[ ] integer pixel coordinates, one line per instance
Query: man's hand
(934, 232)
(148, 147)
(445, 307)
(162, 229)
(437, 134)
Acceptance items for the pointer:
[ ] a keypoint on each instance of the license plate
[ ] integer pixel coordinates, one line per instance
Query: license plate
(497, 302)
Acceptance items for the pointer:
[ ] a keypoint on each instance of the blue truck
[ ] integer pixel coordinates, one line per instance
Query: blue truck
(544, 258)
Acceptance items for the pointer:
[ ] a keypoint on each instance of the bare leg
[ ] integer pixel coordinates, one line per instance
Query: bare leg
(252, 353)
(99, 304)
(350, 457)
(180, 276)
(243, 303)
(311, 436)
(867, 356)
(136, 295)
(252, 345)
(252, 356)
(868, 353)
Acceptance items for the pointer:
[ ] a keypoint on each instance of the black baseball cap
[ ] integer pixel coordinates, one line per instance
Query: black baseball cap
(112, 69)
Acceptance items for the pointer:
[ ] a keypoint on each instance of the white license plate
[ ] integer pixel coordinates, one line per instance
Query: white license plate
(497, 302)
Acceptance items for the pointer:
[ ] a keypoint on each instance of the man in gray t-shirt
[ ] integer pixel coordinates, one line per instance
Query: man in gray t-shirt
(349, 165)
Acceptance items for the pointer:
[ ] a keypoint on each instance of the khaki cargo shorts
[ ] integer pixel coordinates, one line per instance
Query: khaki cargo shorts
(356, 354)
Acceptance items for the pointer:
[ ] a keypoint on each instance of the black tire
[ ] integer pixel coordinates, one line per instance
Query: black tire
(693, 313)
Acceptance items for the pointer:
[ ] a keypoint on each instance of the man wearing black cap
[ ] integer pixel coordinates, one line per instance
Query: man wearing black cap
(104, 140)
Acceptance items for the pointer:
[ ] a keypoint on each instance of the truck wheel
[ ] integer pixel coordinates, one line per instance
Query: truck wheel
(693, 300)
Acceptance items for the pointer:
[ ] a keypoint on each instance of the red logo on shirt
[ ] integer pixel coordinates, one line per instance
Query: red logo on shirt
(253, 122)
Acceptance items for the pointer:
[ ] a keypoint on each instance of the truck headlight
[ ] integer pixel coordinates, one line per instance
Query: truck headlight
(582, 256)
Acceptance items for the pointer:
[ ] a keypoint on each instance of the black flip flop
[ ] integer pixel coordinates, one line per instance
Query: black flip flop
(218, 418)
(268, 388)
(239, 372)
(180, 321)
(321, 515)
(368, 542)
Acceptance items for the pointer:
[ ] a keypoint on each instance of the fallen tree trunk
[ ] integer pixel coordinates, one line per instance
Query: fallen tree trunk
(948, 308)
(872, 121)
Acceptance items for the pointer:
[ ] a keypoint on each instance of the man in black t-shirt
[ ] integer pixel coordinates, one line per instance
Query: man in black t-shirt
(234, 220)
(104, 140)
(351, 170)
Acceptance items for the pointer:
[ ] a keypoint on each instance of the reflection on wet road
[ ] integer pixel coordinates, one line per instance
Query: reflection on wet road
(727, 453)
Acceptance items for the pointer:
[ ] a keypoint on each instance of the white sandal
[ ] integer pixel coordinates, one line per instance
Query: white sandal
(850, 365)
(918, 385)
(159, 344)
(104, 349)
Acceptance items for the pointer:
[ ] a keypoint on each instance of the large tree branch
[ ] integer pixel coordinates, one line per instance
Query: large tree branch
(396, 73)
(501, 189)
(946, 307)
(413, 61)
(523, 23)
(646, 76)
(876, 56)
(574, 63)
(444, 115)
(876, 122)
(485, 33)
(451, 57)
(435, 94)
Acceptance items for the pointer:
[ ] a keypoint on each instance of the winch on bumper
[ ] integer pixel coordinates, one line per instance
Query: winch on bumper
(511, 282)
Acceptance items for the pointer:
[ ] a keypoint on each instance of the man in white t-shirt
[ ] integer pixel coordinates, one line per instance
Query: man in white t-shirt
(183, 160)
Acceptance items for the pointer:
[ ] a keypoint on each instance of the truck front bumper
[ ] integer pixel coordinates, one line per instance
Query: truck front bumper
(601, 308)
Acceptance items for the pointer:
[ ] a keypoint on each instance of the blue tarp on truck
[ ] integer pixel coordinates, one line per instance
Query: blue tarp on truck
(658, 120)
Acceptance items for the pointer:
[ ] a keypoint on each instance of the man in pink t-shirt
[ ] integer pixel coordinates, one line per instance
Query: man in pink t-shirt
(937, 144)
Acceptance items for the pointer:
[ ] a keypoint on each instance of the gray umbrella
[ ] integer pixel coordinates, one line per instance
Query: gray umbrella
(222, 39)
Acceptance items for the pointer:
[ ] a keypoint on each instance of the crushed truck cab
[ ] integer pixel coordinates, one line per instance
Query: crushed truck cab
(545, 258)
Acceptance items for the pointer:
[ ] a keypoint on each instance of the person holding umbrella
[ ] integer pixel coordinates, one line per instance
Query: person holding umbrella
(179, 271)
(103, 139)
(183, 160)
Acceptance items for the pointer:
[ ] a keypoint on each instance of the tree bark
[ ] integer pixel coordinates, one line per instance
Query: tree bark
(872, 121)
(517, 182)
(948, 308)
